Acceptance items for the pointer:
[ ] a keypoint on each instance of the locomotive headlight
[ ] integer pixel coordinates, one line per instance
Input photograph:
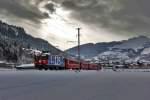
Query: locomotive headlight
(40, 61)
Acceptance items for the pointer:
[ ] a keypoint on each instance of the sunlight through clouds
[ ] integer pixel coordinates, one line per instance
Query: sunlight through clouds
(56, 20)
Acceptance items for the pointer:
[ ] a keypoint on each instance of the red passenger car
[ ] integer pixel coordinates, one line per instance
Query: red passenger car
(71, 64)
(94, 67)
(84, 65)
(55, 62)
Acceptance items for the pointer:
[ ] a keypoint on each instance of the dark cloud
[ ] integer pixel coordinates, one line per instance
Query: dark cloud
(51, 7)
(37, 2)
(119, 16)
(136, 14)
(130, 16)
(23, 9)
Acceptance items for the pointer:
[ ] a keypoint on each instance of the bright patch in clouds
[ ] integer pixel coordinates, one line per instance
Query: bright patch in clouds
(56, 20)
(62, 30)
(59, 27)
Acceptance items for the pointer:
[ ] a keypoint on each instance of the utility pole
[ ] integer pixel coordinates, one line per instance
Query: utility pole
(79, 46)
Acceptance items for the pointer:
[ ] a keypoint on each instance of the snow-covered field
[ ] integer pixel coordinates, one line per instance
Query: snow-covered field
(27, 66)
(71, 85)
(126, 70)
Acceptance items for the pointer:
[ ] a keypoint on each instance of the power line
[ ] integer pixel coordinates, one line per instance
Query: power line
(71, 41)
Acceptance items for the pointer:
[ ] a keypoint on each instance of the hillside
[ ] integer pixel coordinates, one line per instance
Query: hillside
(20, 36)
(134, 49)
(89, 50)
(12, 41)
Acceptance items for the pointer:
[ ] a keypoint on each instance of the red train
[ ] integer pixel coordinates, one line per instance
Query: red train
(55, 62)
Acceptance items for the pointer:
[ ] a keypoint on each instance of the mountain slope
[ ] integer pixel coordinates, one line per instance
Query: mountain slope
(134, 43)
(133, 48)
(21, 37)
(16, 45)
(89, 50)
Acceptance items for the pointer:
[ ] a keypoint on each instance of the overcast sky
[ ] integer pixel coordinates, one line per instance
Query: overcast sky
(56, 20)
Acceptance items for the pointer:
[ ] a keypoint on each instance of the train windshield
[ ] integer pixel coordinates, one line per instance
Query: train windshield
(41, 57)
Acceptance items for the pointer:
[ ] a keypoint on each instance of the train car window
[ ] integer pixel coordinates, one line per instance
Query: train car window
(43, 57)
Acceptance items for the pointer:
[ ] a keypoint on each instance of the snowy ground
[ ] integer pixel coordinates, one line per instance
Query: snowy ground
(69, 85)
